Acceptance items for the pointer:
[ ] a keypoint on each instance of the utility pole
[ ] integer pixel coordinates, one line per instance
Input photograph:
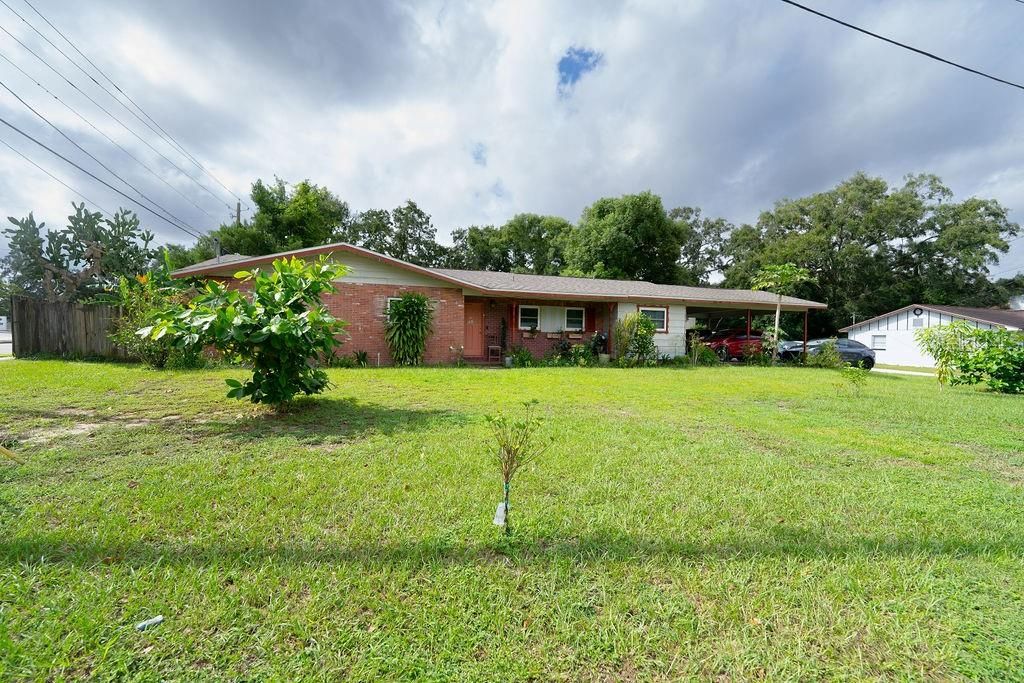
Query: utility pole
(238, 214)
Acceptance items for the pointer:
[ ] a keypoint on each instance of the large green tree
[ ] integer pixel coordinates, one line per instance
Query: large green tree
(626, 238)
(406, 232)
(527, 243)
(700, 255)
(286, 217)
(80, 260)
(872, 248)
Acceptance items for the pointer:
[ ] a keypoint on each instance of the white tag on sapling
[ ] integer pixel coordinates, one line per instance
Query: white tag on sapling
(499, 515)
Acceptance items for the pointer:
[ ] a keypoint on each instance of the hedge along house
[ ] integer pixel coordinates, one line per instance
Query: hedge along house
(482, 315)
(891, 335)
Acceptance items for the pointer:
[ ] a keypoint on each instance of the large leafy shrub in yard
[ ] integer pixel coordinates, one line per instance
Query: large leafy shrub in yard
(968, 355)
(407, 328)
(280, 327)
(634, 340)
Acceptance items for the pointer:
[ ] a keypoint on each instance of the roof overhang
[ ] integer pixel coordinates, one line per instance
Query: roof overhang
(641, 299)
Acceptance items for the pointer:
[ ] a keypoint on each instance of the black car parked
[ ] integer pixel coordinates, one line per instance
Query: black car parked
(852, 352)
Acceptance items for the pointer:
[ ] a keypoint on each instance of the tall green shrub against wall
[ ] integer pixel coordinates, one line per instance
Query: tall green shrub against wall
(635, 340)
(408, 325)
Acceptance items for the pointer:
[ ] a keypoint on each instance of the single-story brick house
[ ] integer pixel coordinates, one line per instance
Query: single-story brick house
(487, 313)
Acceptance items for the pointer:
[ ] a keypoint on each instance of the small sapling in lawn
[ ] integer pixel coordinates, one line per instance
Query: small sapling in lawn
(855, 376)
(517, 446)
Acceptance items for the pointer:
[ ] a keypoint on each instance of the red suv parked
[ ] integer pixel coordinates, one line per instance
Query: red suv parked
(730, 345)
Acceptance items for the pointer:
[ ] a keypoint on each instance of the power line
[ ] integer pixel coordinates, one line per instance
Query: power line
(94, 177)
(26, 158)
(1006, 270)
(91, 156)
(161, 133)
(109, 139)
(111, 115)
(903, 45)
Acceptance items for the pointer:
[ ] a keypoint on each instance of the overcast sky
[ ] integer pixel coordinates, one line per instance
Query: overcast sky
(478, 111)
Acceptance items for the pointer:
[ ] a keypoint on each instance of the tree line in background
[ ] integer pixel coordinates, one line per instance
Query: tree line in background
(868, 246)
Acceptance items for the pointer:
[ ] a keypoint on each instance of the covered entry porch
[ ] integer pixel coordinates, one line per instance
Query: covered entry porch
(495, 326)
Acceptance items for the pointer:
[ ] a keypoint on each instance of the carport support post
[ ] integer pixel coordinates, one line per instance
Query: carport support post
(611, 328)
(748, 324)
(806, 313)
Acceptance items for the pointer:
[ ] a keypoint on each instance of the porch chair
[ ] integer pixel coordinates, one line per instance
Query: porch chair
(493, 349)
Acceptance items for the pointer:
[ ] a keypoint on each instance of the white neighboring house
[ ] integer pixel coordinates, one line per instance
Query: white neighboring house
(891, 335)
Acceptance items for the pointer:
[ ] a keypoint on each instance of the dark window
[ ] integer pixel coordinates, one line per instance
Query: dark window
(574, 319)
(659, 316)
(529, 317)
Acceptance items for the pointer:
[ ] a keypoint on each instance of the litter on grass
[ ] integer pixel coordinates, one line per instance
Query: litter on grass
(149, 623)
(499, 515)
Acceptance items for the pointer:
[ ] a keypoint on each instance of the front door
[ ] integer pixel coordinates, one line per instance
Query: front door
(474, 344)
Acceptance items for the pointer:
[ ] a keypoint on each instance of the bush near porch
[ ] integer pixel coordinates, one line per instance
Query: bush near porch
(737, 522)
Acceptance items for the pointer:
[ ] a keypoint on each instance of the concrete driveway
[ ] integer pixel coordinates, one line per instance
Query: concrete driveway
(6, 344)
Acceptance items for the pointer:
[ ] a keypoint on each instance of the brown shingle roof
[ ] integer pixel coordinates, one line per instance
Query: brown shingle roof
(617, 289)
(540, 286)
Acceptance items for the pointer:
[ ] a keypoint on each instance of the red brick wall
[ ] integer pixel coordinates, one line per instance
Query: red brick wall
(596, 318)
(362, 307)
(494, 312)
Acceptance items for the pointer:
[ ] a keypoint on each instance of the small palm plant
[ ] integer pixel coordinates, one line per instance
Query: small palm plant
(782, 280)
(517, 446)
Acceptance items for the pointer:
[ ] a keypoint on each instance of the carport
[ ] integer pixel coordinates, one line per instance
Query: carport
(716, 314)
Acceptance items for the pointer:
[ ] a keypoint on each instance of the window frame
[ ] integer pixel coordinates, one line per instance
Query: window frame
(519, 318)
(387, 306)
(565, 319)
(663, 309)
(874, 345)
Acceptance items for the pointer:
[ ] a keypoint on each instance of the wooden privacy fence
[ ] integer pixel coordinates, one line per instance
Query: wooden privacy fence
(69, 330)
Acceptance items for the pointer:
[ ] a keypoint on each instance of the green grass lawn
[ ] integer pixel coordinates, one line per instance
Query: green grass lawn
(729, 523)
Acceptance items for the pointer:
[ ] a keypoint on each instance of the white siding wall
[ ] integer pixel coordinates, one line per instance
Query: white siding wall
(370, 271)
(673, 342)
(901, 348)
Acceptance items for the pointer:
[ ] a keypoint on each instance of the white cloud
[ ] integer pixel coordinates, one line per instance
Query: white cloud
(728, 106)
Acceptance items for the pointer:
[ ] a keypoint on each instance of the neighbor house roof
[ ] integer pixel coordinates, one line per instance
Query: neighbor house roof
(992, 316)
(524, 285)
